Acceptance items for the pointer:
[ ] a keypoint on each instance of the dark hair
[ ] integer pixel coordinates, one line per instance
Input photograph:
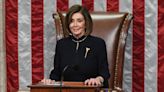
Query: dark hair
(84, 12)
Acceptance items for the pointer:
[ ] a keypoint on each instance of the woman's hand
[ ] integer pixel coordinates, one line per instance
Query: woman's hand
(47, 81)
(98, 81)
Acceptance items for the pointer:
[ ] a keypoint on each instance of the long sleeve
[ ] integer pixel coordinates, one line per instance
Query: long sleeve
(103, 63)
(55, 73)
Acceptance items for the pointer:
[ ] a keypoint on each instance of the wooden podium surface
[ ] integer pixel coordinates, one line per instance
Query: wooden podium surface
(66, 87)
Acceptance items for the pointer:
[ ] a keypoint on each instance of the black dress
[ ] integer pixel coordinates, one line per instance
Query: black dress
(84, 58)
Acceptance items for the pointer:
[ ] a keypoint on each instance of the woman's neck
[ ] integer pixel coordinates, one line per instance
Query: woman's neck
(78, 36)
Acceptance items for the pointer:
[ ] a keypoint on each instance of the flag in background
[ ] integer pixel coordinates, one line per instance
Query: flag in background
(30, 41)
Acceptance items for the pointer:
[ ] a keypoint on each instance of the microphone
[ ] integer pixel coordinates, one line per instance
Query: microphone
(74, 67)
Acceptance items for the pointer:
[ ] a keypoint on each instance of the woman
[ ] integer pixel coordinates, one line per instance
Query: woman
(80, 57)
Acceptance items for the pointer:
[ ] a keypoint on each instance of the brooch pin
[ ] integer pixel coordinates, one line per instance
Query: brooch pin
(86, 51)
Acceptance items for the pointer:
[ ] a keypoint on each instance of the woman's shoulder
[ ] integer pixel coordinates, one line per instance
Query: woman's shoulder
(97, 42)
(96, 39)
(63, 40)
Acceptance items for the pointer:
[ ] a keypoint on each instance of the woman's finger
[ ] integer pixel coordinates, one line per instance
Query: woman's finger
(86, 82)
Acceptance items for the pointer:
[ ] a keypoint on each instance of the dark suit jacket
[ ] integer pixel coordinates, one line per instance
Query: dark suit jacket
(85, 58)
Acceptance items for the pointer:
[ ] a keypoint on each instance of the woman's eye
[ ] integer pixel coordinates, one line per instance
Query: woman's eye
(71, 20)
(80, 20)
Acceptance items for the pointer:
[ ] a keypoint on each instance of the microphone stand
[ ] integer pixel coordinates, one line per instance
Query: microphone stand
(75, 67)
(62, 77)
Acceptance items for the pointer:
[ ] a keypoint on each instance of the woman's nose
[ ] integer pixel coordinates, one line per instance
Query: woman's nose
(75, 23)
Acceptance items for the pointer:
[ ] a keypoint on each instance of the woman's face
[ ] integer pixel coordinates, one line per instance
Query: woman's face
(77, 25)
